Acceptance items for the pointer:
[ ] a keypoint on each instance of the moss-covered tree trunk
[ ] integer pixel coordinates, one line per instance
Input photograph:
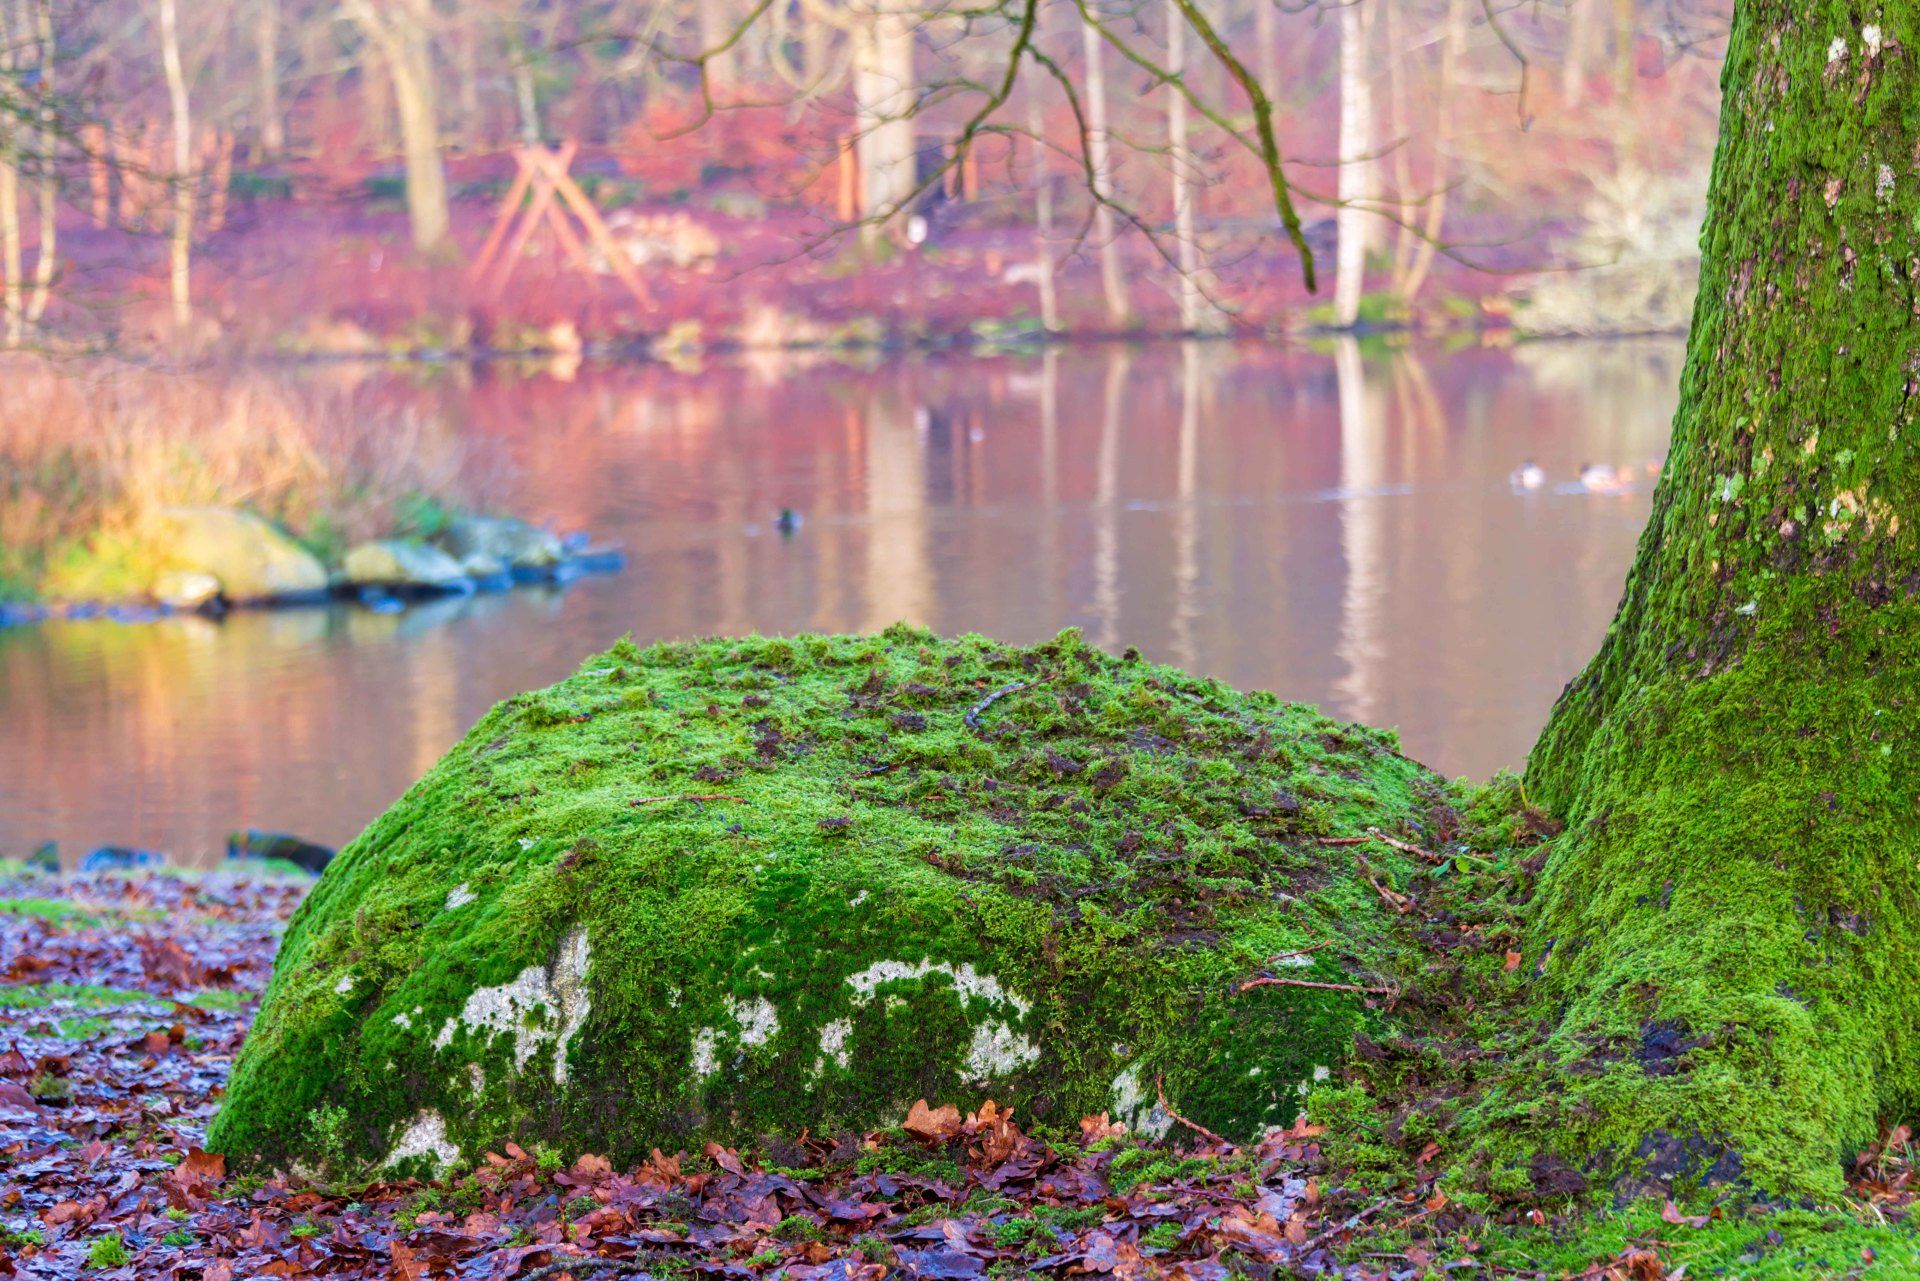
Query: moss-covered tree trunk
(1728, 930)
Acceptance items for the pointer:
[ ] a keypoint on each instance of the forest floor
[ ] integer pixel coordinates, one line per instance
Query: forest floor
(123, 1000)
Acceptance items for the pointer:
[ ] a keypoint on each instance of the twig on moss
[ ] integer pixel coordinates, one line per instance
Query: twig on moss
(1268, 980)
(973, 713)
(1405, 848)
(1401, 903)
(1345, 840)
(1160, 1088)
(687, 796)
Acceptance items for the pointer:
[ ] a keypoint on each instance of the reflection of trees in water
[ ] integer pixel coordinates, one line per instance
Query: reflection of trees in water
(1184, 499)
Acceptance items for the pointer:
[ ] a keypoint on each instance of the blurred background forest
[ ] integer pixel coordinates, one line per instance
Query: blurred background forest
(320, 175)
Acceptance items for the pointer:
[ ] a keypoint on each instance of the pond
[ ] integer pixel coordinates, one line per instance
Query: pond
(1334, 524)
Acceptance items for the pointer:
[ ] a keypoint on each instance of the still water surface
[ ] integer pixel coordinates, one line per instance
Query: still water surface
(1334, 526)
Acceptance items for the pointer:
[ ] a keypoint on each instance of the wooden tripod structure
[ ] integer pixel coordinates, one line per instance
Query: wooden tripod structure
(543, 173)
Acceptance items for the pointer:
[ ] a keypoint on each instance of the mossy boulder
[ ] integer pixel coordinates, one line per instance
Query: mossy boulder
(740, 889)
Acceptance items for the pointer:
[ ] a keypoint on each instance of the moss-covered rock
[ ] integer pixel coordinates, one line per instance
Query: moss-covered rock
(740, 888)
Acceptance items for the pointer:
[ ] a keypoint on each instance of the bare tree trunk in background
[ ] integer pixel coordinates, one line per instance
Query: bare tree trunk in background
(10, 232)
(525, 99)
(1195, 308)
(1577, 63)
(1112, 282)
(182, 239)
(1353, 221)
(1042, 213)
(1411, 268)
(266, 34)
(398, 29)
(49, 188)
(717, 22)
(1623, 70)
(884, 101)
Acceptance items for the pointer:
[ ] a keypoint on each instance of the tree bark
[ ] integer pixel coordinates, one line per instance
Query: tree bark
(12, 286)
(1042, 213)
(1197, 312)
(49, 185)
(399, 31)
(1353, 222)
(717, 22)
(1113, 282)
(1725, 931)
(266, 34)
(180, 243)
(884, 103)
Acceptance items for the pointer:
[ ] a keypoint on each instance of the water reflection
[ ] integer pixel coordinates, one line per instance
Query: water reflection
(1334, 525)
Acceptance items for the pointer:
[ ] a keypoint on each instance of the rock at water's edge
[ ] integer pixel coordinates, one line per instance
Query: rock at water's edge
(507, 539)
(404, 563)
(252, 560)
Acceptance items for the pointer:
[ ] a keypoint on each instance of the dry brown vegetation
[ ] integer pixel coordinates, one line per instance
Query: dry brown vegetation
(89, 453)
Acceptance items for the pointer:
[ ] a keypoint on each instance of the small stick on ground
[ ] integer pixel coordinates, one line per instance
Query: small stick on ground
(1268, 980)
(973, 713)
(1348, 1226)
(687, 796)
(1160, 1088)
(1401, 903)
(1345, 840)
(1404, 848)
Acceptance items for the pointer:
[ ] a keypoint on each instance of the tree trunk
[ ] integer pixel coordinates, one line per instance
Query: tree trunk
(1353, 223)
(1113, 282)
(884, 104)
(1042, 213)
(1726, 930)
(49, 184)
(12, 285)
(1193, 301)
(717, 23)
(399, 32)
(266, 32)
(180, 255)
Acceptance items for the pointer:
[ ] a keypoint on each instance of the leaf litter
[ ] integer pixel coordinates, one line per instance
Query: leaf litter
(119, 1022)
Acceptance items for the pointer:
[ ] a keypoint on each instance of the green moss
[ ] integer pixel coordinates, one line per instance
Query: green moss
(108, 1251)
(1781, 1245)
(33, 996)
(48, 909)
(805, 891)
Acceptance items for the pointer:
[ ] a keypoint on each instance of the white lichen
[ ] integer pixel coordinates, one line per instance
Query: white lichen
(1870, 37)
(1837, 51)
(425, 1135)
(1320, 1073)
(759, 1022)
(402, 1020)
(996, 1050)
(833, 1044)
(542, 1004)
(1129, 1104)
(459, 896)
(706, 1059)
(967, 981)
(345, 985)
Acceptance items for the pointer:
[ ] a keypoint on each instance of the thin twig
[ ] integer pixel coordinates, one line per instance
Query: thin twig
(687, 796)
(973, 713)
(1268, 980)
(1405, 848)
(1160, 1088)
(1348, 1226)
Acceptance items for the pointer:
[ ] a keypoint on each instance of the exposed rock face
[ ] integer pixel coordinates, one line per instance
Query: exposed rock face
(186, 589)
(252, 560)
(404, 563)
(741, 888)
(511, 541)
